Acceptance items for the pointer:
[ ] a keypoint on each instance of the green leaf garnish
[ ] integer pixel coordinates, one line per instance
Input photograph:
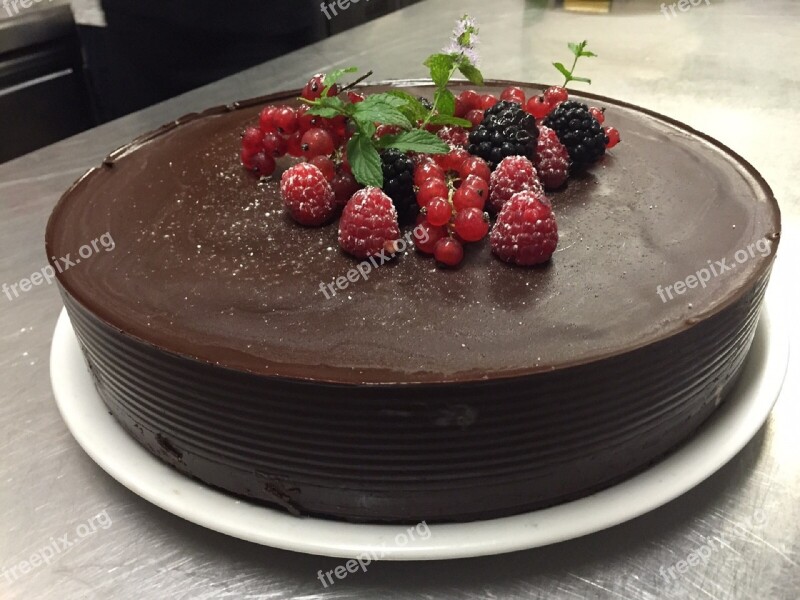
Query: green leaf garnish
(333, 77)
(419, 140)
(365, 160)
(447, 120)
(442, 67)
(578, 50)
(471, 72)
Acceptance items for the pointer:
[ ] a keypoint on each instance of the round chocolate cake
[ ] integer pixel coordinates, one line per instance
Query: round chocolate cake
(410, 392)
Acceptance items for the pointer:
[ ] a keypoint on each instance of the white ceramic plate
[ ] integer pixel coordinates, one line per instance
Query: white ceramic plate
(734, 424)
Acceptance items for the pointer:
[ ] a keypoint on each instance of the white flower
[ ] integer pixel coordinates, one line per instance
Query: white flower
(465, 40)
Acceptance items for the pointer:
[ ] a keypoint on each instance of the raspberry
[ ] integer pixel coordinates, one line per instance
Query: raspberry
(613, 137)
(344, 186)
(307, 195)
(579, 131)
(472, 224)
(398, 182)
(448, 252)
(526, 233)
(514, 174)
(513, 94)
(368, 222)
(506, 130)
(552, 160)
(456, 137)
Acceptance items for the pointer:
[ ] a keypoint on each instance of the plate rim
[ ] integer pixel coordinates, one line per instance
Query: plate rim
(723, 436)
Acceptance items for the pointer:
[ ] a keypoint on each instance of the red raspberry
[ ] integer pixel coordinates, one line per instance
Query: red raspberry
(456, 137)
(513, 174)
(368, 222)
(307, 195)
(526, 232)
(552, 159)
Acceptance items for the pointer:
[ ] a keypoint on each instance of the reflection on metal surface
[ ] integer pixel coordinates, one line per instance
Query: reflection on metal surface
(588, 6)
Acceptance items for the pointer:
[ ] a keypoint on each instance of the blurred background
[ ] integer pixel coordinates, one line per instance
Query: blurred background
(72, 65)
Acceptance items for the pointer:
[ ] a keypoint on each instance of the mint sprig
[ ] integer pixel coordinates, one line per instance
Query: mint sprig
(578, 51)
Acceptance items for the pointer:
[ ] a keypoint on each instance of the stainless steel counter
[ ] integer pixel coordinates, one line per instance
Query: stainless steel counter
(731, 69)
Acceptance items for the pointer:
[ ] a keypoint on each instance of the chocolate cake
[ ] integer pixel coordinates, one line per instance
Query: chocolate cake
(413, 392)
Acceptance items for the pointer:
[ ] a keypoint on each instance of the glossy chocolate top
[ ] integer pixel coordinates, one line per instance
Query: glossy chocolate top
(206, 264)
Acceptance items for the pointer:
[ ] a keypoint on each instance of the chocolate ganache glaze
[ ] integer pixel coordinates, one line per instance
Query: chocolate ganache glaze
(415, 393)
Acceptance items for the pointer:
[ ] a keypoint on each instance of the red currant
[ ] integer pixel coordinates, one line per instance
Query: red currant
(432, 188)
(355, 97)
(252, 138)
(613, 137)
(538, 107)
(453, 160)
(513, 94)
(426, 235)
(555, 95)
(475, 117)
(344, 186)
(246, 155)
(471, 224)
(285, 119)
(274, 145)
(263, 164)
(461, 108)
(476, 183)
(449, 252)
(598, 113)
(468, 197)
(471, 99)
(326, 165)
(314, 87)
(294, 145)
(317, 142)
(266, 119)
(475, 165)
(488, 101)
(306, 121)
(384, 130)
(438, 211)
(427, 170)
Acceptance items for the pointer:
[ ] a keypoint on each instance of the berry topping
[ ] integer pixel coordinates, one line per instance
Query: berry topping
(537, 107)
(513, 94)
(613, 137)
(506, 130)
(472, 224)
(555, 95)
(552, 160)
(307, 195)
(525, 233)
(317, 142)
(514, 174)
(579, 131)
(398, 182)
(368, 222)
(449, 252)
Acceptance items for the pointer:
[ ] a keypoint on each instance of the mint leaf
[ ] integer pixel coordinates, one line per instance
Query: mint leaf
(334, 76)
(441, 66)
(563, 70)
(447, 120)
(379, 112)
(471, 72)
(581, 79)
(445, 102)
(365, 161)
(389, 98)
(576, 49)
(416, 140)
(413, 108)
(329, 107)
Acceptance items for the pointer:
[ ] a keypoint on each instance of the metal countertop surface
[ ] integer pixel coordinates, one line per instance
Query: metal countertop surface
(730, 69)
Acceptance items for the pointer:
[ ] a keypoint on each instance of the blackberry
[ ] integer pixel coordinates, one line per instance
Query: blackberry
(398, 182)
(506, 130)
(579, 131)
(425, 102)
